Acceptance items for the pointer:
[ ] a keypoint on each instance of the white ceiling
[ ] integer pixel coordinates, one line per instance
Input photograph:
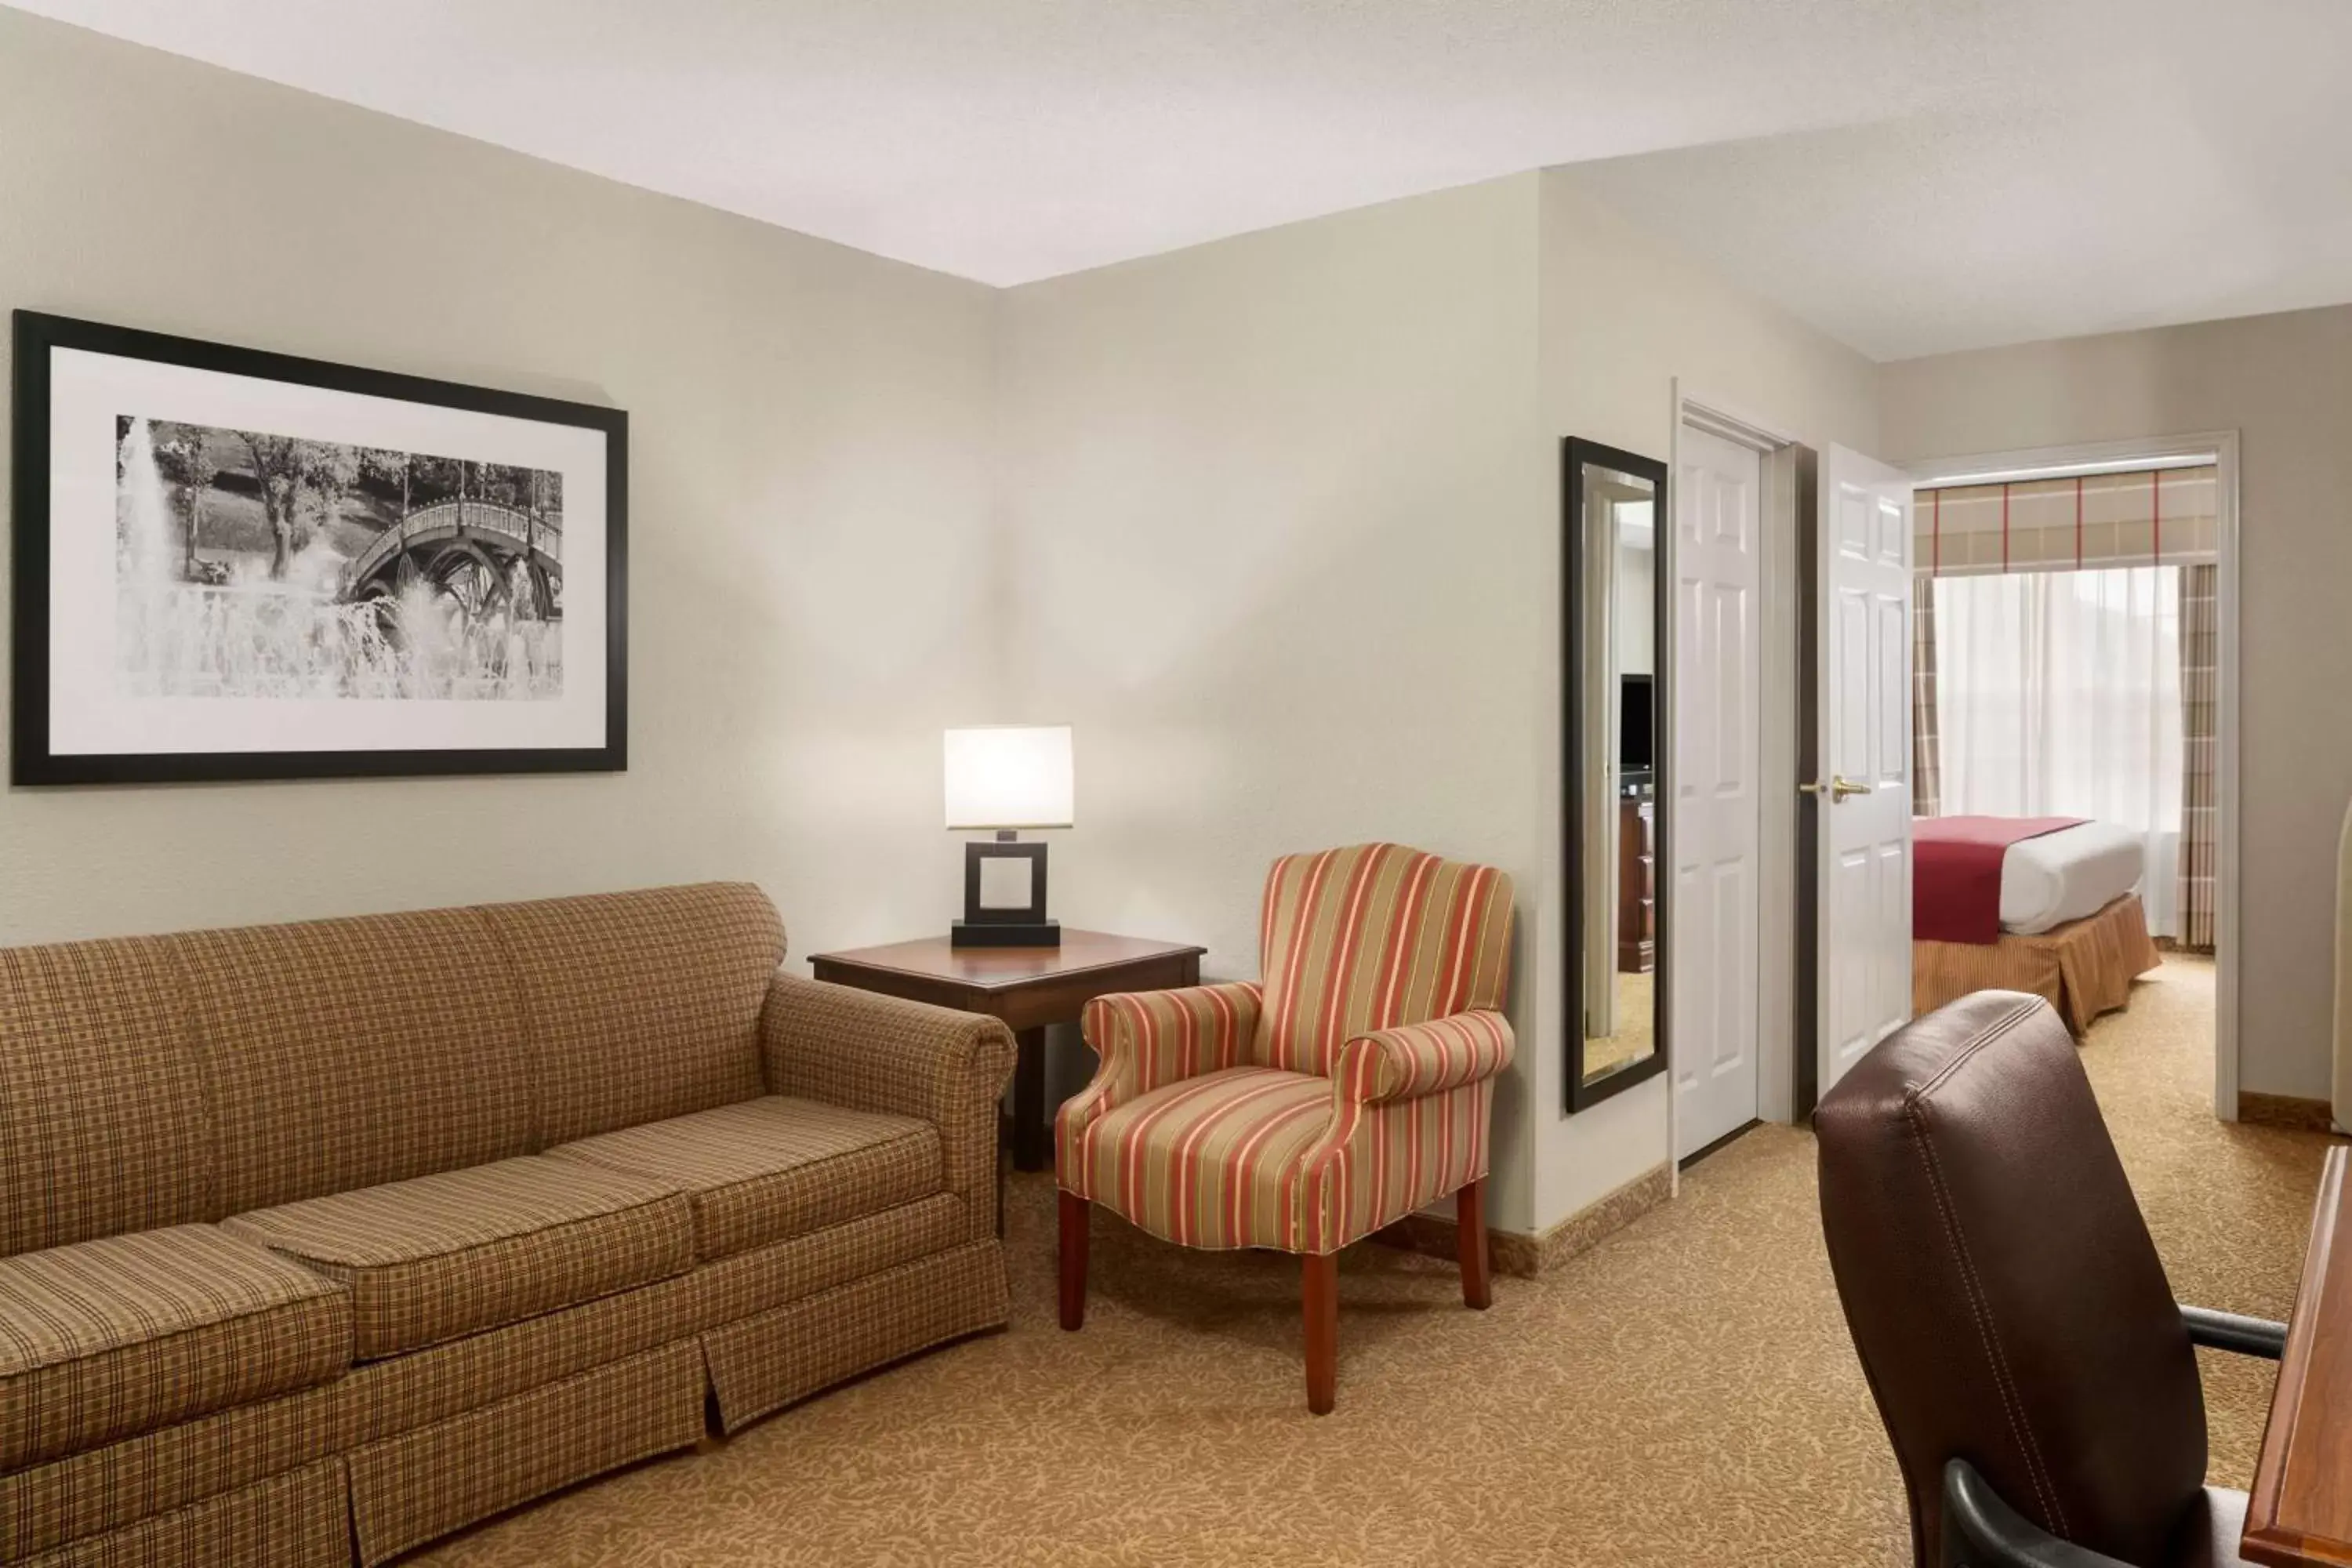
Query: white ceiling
(1913, 175)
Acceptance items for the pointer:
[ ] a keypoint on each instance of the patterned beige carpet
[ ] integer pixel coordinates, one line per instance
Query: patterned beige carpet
(1682, 1393)
(1636, 1030)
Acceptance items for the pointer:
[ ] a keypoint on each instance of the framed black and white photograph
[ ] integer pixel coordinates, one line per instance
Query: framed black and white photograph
(235, 564)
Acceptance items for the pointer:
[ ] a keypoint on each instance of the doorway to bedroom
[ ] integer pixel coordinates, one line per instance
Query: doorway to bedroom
(2074, 734)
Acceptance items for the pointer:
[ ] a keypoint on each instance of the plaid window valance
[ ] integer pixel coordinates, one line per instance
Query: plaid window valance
(2153, 517)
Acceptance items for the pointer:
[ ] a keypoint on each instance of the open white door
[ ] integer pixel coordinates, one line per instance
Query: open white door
(1717, 831)
(1861, 781)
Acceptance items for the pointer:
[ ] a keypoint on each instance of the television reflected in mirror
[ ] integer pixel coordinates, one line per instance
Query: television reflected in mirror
(1612, 696)
(1633, 727)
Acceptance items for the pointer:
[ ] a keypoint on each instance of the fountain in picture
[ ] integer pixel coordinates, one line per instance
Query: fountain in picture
(257, 565)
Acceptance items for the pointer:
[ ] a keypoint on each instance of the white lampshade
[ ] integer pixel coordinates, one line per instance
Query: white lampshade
(1010, 776)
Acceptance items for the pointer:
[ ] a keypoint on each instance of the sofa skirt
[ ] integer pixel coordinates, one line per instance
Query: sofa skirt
(766, 1361)
(299, 1520)
(772, 1326)
(408, 1489)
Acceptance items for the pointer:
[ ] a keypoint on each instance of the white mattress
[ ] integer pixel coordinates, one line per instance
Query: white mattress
(2068, 874)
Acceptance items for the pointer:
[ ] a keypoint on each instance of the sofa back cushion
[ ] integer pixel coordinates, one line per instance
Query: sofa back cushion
(640, 1006)
(346, 1053)
(103, 1125)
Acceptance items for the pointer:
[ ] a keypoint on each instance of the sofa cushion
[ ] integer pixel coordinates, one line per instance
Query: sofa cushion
(640, 1005)
(107, 1339)
(1216, 1160)
(766, 1169)
(103, 1126)
(347, 1053)
(451, 1254)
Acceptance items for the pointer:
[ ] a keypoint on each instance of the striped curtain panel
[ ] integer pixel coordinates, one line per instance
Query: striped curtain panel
(1926, 737)
(2199, 673)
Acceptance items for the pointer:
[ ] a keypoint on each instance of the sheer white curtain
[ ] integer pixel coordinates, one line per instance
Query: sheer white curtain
(2059, 695)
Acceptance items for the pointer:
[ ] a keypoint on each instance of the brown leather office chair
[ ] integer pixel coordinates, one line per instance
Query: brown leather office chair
(2035, 1377)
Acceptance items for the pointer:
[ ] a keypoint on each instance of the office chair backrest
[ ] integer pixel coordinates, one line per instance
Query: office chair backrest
(2000, 1284)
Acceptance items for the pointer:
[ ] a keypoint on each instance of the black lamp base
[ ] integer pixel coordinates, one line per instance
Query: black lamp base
(1006, 933)
(999, 922)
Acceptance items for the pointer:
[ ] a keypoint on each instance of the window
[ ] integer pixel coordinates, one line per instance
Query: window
(2059, 695)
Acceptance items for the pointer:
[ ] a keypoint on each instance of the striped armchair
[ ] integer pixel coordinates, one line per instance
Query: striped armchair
(1350, 1087)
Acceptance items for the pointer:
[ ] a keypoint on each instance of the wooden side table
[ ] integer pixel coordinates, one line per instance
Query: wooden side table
(1028, 987)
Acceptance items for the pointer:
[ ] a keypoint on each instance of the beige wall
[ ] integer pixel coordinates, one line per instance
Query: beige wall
(1285, 515)
(1278, 508)
(2284, 384)
(1626, 313)
(1625, 316)
(811, 586)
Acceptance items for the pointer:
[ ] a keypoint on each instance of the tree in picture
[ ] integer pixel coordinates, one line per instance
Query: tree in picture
(258, 564)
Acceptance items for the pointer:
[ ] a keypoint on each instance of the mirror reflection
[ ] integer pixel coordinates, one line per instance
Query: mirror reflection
(1613, 732)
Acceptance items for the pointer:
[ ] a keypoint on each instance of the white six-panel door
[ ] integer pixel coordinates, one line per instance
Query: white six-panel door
(1718, 808)
(1863, 782)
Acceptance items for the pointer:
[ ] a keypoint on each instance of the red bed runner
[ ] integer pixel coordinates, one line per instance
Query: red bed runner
(1955, 873)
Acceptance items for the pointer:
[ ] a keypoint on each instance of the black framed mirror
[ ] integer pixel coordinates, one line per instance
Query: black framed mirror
(1614, 701)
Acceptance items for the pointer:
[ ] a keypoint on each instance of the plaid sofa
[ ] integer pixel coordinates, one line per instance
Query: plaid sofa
(326, 1239)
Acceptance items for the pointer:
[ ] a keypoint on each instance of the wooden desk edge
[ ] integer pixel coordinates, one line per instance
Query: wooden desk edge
(2285, 1548)
(2265, 1538)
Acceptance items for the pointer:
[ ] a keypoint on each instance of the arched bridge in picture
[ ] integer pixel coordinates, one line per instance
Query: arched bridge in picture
(468, 550)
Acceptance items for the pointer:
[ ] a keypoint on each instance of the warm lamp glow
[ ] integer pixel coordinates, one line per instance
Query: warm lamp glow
(1009, 777)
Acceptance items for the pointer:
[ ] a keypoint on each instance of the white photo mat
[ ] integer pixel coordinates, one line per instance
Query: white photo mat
(90, 715)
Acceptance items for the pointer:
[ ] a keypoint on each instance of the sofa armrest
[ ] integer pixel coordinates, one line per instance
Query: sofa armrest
(870, 1052)
(1146, 1039)
(1414, 1059)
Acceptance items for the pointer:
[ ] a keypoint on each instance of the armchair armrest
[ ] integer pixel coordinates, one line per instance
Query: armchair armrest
(868, 1052)
(1980, 1530)
(1146, 1039)
(2230, 1332)
(1414, 1059)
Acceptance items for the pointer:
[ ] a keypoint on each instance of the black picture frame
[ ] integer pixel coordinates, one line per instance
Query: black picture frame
(33, 761)
(1576, 453)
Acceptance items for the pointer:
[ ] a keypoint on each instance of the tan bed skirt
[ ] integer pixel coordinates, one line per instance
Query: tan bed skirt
(2082, 968)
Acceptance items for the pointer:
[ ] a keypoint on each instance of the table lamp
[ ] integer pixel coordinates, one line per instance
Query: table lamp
(1007, 778)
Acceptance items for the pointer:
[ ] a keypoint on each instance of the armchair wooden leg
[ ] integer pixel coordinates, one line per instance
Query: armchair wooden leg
(1076, 1212)
(1470, 1242)
(1321, 1292)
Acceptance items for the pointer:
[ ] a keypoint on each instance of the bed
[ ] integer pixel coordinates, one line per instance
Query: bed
(2045, 905)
